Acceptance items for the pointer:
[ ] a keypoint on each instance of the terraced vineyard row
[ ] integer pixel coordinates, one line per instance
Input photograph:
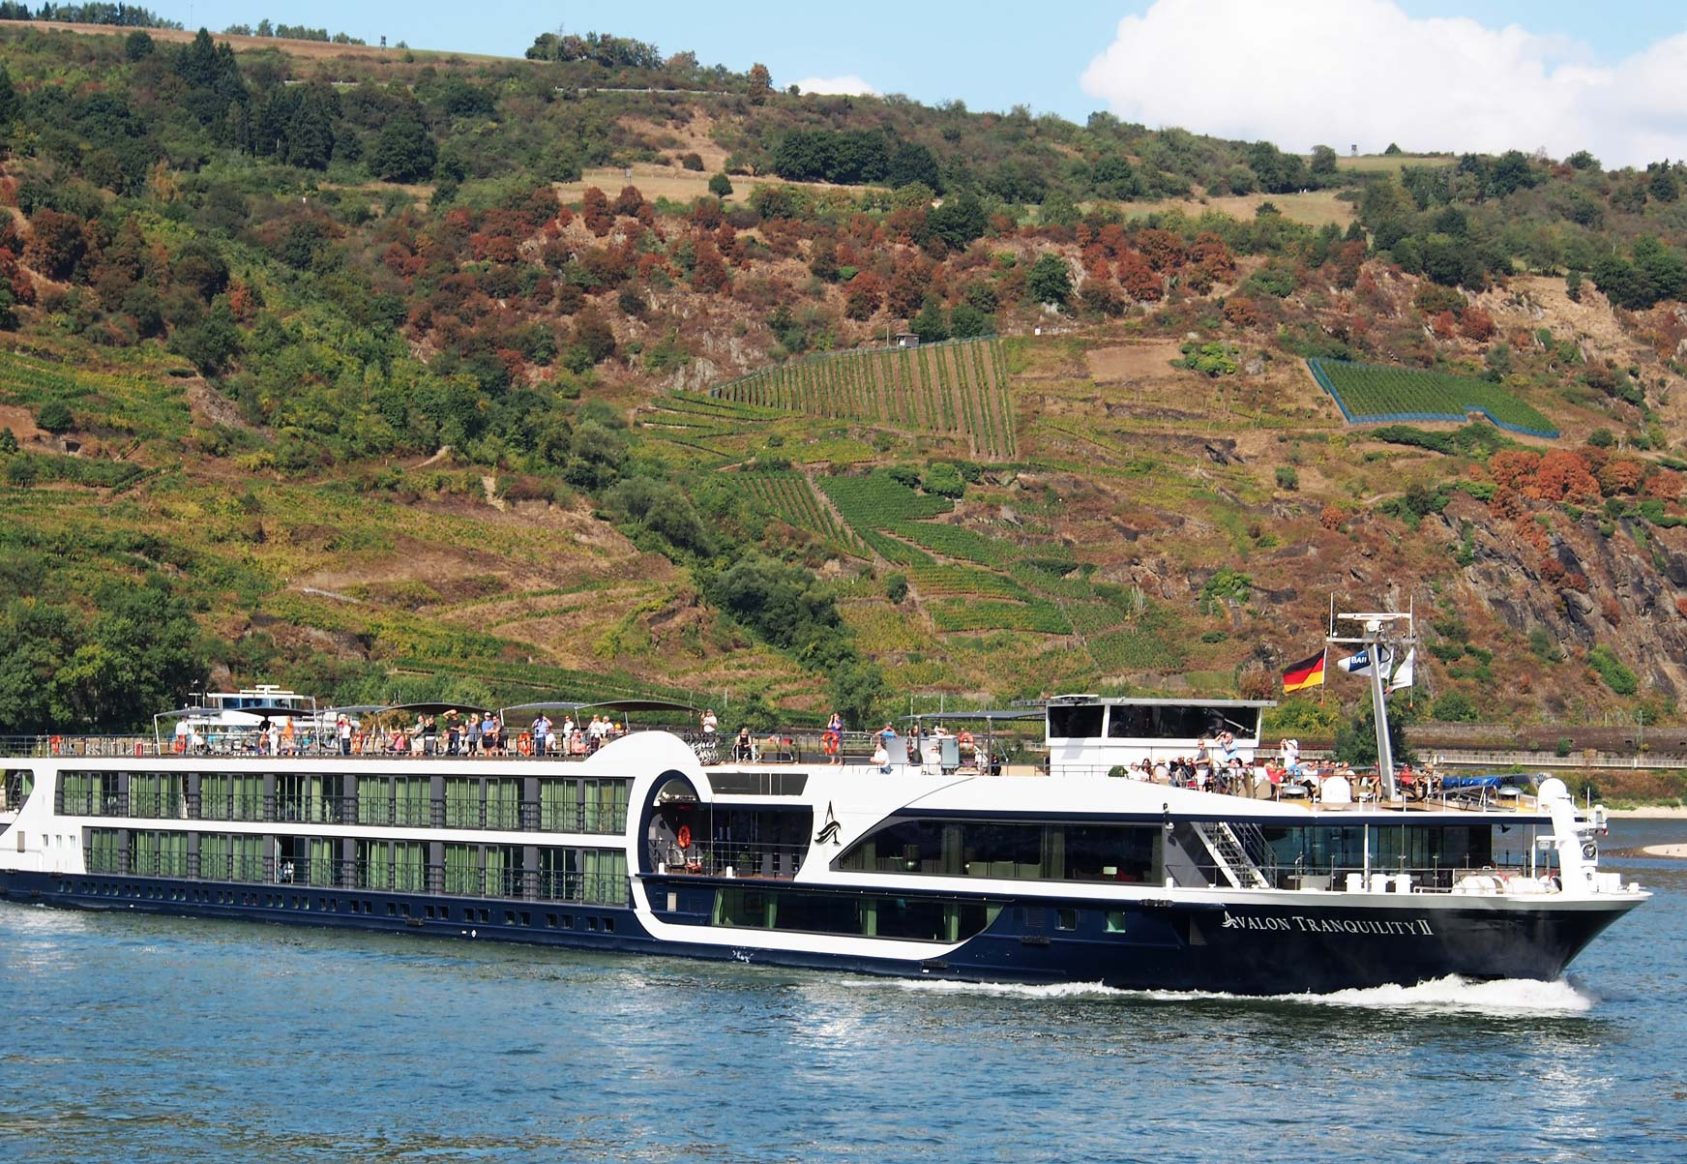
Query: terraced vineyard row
(1371, 394)
(957, 388)
(790, 497)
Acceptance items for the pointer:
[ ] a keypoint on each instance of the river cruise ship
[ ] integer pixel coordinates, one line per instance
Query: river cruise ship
(943, 867)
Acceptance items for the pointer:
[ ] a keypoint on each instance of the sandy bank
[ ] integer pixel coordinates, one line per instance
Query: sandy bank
(1650, 812)
(1679, 852)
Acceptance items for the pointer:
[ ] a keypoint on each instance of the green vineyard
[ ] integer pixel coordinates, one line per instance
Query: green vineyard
(958, 389)
(1372, 394)
(790, 498)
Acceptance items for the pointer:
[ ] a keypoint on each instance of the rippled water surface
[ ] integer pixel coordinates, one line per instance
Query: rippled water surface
(128, 1037)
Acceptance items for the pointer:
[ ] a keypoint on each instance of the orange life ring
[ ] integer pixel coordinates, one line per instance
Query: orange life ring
(56, 742)
(683, 837)
(829, 741)
(524, 744)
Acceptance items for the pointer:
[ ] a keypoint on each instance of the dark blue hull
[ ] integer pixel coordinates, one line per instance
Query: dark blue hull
(1298, 947)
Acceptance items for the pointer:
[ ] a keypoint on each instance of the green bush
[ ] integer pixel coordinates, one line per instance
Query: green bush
(1617, 677)
(896, 587)
(55, 417)
(1454, 707)
(1287, 478)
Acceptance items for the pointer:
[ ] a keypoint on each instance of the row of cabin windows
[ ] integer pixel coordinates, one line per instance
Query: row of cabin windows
(307, 902)
(594, 876)
(902, 916)
(545, 804)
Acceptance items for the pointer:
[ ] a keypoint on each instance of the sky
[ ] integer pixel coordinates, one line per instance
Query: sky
(1456, 75)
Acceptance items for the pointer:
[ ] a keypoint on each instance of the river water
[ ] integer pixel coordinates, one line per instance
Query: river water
(129, 1036)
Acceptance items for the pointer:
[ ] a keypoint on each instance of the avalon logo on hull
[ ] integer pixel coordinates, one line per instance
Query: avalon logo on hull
(830, 830)
(1300, 924)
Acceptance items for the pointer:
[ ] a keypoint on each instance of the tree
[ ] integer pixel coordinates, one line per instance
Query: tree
(55, 417)
(404, 151)
(1323, 161)
(1050, 280)
(929, 324)
(138, 46)
(761, 83)
(958, 221)
(1356, 740)
(720, 186)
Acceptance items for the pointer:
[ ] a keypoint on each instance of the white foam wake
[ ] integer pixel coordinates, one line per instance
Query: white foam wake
(1510, 996)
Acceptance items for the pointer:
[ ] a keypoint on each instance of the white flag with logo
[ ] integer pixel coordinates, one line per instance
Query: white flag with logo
(1402, 676)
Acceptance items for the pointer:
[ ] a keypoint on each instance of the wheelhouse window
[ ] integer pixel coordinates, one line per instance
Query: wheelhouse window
(1077, 721)
(1176, 722)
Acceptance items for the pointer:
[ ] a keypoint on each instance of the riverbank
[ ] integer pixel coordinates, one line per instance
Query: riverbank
(1649, 812)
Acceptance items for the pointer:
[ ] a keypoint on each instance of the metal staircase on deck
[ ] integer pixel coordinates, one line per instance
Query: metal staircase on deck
(1230, 855)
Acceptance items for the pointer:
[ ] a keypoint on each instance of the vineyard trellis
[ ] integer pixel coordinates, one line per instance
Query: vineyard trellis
(957, 388)
(1375, 394)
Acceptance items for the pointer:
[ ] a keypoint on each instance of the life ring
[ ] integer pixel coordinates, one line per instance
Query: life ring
(524, 744)
(829, 742)
(683, 837)
(56, 743)
(1590, 850)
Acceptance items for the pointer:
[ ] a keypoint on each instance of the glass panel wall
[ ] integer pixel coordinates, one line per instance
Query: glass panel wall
(159, 854)
(157, 794)
(231, 857)
(231, 796)
(105, 852)
(1051, 852)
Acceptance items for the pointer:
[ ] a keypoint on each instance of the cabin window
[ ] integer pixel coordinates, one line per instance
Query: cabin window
(88, 794)
(300, 797)
(229, 796)
(503, 804)
(159, 854)
(157, 794)
(105, 852)
(237, 857)
(396, 865)
(583, 806)
(594, 876)
(1080, 721)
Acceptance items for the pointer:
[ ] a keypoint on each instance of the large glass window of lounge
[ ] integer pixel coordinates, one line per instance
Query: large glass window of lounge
(1418, 849)
(1059, 851)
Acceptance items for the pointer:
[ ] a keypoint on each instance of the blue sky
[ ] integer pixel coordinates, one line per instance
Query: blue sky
(1430, 74)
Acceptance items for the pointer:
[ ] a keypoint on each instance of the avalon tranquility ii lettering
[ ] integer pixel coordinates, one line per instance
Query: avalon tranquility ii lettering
(1297, 923)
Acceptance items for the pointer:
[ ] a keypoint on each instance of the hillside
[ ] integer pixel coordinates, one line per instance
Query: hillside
(391, 374)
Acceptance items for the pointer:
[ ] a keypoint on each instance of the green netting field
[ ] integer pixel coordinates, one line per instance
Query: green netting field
(1373, 394)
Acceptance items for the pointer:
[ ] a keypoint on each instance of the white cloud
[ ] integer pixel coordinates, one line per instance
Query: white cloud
(848, 85)
(1343, 72)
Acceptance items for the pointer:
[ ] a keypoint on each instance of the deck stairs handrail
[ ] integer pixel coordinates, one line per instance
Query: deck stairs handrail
(1230, 854)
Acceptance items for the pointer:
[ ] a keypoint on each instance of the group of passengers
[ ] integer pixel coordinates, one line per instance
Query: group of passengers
(574, 739)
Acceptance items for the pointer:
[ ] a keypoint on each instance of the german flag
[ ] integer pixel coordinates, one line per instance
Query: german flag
(1309, 672)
